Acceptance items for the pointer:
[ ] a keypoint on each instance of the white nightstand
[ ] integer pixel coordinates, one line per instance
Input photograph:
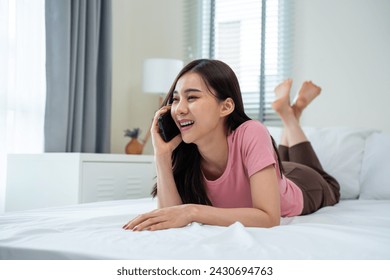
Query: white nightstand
(56, 179)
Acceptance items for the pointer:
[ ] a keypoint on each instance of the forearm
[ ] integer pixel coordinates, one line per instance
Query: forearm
(250, 217)
(167, 194)
(184, 214)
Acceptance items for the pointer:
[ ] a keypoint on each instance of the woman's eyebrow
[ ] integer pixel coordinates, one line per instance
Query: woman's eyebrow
(188, 90)
(192, 89)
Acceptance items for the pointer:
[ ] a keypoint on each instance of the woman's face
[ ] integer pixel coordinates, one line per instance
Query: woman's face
(196, 110)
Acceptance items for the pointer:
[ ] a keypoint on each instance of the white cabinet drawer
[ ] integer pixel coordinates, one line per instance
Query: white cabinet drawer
(57, 179)
(118, 181)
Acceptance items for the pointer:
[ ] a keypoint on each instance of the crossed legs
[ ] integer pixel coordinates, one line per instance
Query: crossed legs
(299, 160)
(290, 115)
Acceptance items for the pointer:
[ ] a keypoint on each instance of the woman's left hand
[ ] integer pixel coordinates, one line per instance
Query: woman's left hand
(164, 218)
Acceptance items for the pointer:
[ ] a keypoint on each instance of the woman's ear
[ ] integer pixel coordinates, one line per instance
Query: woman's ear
(227, 107)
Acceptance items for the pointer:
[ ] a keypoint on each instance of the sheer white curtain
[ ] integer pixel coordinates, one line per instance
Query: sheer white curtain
(22, 80)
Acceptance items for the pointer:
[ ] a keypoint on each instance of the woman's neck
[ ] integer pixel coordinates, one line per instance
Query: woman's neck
(215, 156)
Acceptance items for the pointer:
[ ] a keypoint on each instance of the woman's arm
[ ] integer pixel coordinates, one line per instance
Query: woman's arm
(265, 211)
(265, 200)
(166, 186)
(167, 194)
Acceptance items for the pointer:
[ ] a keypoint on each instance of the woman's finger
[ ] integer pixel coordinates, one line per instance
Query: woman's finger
(176, 141)
(159, 226)
(137, 220)
(162, 111)
(149, 223)
(143, 220)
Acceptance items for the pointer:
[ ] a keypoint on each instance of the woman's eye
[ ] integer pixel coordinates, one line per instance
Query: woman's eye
(192, 97)
(174, 99)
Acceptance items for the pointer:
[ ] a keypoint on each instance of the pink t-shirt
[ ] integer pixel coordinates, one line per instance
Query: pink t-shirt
(251, 150)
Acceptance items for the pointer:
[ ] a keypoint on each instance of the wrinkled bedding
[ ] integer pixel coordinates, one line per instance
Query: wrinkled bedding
(353, 229)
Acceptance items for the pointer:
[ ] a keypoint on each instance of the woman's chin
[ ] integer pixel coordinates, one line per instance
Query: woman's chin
(186, 139)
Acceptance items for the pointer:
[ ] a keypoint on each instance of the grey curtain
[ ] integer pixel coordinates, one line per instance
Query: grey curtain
(78, 66)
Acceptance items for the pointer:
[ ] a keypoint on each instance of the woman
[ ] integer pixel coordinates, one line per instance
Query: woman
(224, 167)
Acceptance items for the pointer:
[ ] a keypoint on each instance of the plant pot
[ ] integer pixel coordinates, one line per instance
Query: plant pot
(134, 147)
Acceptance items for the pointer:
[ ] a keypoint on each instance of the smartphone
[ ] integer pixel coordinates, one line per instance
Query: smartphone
(167, 126)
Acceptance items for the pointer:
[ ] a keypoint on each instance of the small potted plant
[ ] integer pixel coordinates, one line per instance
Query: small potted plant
(135, 146)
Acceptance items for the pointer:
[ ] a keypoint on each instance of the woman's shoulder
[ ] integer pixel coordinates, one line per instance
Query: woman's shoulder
(251, 138)
(251, 126)
(251, 129)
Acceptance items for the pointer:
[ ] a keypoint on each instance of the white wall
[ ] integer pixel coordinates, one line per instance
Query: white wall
(141, 29)
(344, 46)
(341, 45)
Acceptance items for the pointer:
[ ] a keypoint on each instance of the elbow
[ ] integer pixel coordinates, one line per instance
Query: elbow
(274, 217)
(266, 220)
(273, 221)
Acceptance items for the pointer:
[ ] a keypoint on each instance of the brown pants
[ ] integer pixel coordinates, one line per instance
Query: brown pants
(301, 165)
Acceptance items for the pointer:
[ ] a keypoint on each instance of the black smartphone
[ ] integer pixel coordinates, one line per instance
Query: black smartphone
(167, 126)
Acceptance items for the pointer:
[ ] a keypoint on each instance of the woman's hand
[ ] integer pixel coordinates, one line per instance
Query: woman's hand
(159, 145)
(169, 217)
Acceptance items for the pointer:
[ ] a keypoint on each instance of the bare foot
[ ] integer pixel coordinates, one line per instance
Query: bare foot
(282, 101)
(306, 94)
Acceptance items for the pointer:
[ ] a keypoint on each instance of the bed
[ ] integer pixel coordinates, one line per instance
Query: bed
(356, 228)
(349, 230)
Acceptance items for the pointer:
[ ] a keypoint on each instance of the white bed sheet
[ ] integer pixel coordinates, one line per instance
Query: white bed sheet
(355, 229)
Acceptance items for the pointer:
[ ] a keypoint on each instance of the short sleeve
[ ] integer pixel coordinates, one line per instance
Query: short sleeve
(256, 147)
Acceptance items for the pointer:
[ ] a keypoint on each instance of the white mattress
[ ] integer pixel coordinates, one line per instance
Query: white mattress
(355, 229)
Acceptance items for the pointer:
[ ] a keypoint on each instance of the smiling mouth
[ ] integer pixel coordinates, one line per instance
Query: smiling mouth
(187, 123)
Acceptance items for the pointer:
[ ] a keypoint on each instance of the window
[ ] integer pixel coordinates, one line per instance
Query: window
(22, 80)
(253, 37)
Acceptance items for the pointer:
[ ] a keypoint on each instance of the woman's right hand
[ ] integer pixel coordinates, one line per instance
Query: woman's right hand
(159, 145)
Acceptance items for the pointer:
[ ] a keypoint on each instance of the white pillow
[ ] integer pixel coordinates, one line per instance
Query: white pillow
(340, 151)
(276, 133)
(374, 177)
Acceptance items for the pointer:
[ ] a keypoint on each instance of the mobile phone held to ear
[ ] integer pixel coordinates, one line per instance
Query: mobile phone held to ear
(167, 126)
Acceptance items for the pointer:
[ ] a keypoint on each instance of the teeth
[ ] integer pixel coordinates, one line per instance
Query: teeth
(186, 123)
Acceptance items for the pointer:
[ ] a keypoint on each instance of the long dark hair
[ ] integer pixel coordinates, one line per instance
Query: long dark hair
(186, 159)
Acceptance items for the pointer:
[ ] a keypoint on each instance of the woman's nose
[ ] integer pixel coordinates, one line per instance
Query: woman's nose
(180, 108)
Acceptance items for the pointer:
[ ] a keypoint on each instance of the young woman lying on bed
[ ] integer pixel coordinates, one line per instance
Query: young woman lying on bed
(224, 167)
